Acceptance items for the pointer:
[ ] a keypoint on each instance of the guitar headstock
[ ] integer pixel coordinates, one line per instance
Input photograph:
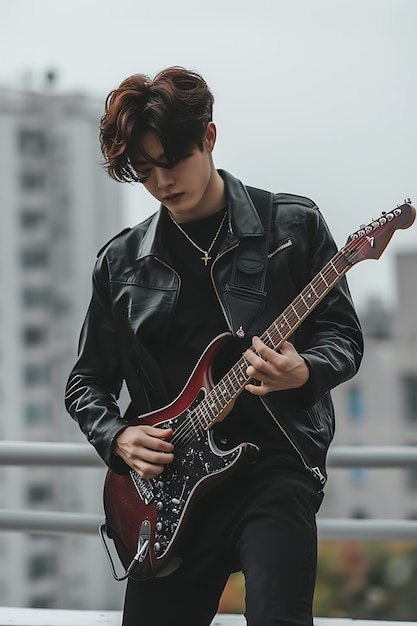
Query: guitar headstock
(370, 241)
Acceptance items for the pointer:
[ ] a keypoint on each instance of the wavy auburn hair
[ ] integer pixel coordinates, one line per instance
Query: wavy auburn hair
(176, 105)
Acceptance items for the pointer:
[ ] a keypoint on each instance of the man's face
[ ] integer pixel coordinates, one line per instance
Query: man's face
(186, 189)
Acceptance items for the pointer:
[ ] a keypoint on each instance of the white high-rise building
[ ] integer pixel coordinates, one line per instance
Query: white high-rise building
(58, 207)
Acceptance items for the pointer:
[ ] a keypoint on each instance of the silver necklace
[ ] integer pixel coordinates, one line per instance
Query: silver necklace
(206, 258)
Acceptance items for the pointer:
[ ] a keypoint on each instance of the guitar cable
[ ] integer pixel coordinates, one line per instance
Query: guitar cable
(141, 550)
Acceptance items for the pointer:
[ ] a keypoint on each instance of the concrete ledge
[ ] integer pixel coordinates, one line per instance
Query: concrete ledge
(60, 617)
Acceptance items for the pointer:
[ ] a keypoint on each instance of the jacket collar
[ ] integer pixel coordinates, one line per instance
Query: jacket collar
(243, 219)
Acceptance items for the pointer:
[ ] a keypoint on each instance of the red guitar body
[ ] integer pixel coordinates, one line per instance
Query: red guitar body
(149, 514)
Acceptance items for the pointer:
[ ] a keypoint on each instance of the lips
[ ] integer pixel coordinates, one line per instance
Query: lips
(172, 197)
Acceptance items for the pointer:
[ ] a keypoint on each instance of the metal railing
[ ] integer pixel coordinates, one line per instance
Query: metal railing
(20, 453)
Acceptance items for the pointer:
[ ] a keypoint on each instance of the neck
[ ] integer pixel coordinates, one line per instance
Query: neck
(212, 201)
(216, 194)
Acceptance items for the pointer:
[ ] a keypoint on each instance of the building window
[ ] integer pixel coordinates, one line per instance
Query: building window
(359, 514)
(34, 257)
(33, 297)
(36, 374)
(354, 401)
(409, 388)
(37, 414)
(39, 494)
(42, 565)
(32, 142)
(32, 218)
(34, 336)
(358, 476)
(32, 181)
(411, 478)
(42, 602)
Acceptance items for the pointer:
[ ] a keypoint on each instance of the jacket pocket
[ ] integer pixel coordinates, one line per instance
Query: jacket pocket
(315, 417)
(282, 245)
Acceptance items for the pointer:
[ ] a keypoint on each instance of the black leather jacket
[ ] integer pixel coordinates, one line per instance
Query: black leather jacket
(134, 294)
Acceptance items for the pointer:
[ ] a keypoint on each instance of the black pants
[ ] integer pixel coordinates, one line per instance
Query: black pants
(263, 524)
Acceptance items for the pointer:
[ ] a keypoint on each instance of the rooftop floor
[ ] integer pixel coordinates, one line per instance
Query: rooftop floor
(60, 617)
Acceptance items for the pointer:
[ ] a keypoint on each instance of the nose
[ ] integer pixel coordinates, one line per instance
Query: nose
(164, 177)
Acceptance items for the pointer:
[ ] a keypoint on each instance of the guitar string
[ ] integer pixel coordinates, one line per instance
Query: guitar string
(185, 431)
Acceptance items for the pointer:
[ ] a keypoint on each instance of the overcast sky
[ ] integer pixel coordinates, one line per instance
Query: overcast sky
(313, 97)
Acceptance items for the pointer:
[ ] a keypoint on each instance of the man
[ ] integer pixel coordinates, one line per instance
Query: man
(162, 291)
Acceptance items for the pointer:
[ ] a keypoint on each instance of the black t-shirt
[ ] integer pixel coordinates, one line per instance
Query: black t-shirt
(198, 318)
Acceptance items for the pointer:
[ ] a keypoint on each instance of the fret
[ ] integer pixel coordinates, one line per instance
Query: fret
(211, 406)
(305, 303)
(307, 295)
(277, 331)
(334, 268)
(332, 279)
(202, 415)
(292, 319)
(237, 379)
(224, 391)
(230, 383)
(301, 308)
(192, 415)
(323, 279)
(219, 400)
(283, 319)
(295, 311)
(269, 338)
(320, 287)
(315, 292)
(242, 365)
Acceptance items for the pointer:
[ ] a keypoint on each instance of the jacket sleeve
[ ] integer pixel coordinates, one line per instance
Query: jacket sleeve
(95, 381)
(330, 341)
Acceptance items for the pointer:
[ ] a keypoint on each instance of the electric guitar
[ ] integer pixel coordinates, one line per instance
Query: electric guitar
(147, 518)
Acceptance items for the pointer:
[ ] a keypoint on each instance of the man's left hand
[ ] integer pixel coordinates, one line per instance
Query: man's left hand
(275, 371)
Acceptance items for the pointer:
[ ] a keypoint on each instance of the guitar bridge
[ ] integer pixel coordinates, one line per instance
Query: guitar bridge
(143, 486)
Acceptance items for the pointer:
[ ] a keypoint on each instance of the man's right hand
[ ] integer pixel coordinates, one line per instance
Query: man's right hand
(145, 450)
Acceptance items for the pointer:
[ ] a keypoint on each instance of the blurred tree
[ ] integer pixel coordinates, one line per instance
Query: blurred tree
(357, 580)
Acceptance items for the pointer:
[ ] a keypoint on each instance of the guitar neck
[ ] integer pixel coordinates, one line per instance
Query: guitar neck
(216, 404)
(368, 242)
(284, 326)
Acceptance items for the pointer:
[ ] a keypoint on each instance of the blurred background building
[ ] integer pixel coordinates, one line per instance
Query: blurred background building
(58, 208)
(379, 407)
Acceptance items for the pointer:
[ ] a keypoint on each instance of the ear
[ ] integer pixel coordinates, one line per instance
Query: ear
(210, 137)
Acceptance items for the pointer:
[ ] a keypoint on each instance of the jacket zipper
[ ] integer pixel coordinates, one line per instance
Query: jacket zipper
(174, 271)
(313, 470)
(214, 283)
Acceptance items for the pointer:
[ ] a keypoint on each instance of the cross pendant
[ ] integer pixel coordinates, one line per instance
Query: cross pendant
(206, 258)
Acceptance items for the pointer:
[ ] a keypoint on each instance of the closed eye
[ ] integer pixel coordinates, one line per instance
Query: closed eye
(143, 175)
